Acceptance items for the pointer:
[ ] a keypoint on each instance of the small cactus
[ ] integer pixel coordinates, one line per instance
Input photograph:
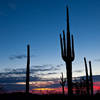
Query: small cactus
(87, 80)
(28, 69)
(62, 83)
(91, 78)
(87, 77)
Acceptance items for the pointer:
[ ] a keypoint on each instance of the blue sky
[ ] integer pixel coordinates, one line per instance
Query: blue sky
(39, 23)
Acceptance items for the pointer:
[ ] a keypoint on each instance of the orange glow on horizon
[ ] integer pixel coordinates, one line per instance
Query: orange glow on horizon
(44, 89)
(48, 90)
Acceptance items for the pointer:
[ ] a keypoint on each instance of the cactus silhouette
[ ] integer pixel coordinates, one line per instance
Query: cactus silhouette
(87, 80)
(28, 69)
(91, 78)
(68, 54)
(62, 82)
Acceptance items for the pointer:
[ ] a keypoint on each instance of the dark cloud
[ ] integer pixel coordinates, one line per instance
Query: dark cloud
(21, 72)
(97, 60)
(59, 65)
(18, 56)
(44, 69)
(9, 83)
(13, 80)
(47, 65)
(42, 66)
(78, 71)
(52, 73)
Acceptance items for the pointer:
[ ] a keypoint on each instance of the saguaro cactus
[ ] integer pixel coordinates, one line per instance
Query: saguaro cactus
(28, 69)
(62, 82)
(87, 80)
(91, 78)
(68, 54)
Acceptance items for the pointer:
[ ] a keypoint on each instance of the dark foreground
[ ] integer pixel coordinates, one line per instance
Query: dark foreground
(18, 96)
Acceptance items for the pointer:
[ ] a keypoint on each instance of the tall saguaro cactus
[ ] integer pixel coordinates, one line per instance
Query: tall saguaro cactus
(28, 69)
(87, 80)
(68, 54)
(91, 78)
(62, 82)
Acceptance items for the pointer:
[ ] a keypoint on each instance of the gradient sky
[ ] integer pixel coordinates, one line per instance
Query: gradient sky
(39, 23)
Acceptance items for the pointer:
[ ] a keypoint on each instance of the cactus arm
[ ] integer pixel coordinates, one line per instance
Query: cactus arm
(62, 75)
(61, 44)
(73, 54)
(64, 43)
(61, 79)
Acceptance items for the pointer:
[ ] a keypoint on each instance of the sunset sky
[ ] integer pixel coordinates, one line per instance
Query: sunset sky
(39, 23)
